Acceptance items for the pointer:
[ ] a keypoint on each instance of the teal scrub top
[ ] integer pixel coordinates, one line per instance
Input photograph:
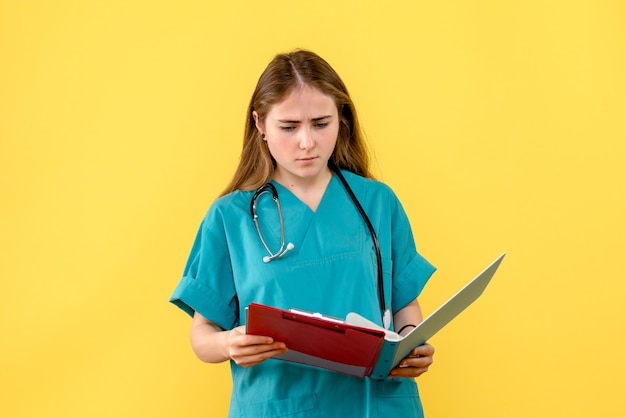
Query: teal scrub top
(331, 269)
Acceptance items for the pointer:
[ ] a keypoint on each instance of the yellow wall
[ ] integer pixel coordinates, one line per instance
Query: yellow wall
(499, 124)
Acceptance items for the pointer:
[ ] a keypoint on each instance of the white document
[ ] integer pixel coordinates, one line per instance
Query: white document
(396, 348)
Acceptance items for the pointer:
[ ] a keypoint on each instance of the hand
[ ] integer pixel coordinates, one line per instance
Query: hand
(248, 350)
(416, 363)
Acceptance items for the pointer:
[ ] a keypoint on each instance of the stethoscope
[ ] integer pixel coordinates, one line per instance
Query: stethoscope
(271, 189)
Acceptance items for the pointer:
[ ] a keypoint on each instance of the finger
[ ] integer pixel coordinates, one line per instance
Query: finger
(255, 349)
(416, 362)
(425, 350)
(408, 372)
(238, 338)
(253, 340)
(247, 360)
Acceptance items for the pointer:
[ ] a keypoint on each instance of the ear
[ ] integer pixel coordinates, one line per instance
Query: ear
(257, 122)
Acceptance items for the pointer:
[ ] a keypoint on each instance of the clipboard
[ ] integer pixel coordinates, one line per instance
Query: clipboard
(317, 340)
(356, 346)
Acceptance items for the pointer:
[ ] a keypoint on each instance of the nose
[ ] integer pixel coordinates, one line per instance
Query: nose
(306, 140)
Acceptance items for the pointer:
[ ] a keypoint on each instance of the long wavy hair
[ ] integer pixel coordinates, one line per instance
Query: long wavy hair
(283, 74)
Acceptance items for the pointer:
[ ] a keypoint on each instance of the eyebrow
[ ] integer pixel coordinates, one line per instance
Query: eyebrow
(298, 121)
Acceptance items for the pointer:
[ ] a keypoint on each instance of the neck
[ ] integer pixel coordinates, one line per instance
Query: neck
(310, 191)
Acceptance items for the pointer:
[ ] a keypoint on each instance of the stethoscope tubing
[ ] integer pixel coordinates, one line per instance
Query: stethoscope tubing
(368, 223)
(270, 188)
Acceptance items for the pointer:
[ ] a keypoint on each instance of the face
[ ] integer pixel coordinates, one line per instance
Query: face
(301, 133)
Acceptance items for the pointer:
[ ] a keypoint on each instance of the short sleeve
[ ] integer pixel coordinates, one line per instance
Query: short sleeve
(411, 271)
(207, 284)
(411, 281)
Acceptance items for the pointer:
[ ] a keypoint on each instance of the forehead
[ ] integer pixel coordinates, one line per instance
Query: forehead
(304, 102)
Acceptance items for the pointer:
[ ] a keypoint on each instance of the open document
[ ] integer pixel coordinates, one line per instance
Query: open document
(356, 346)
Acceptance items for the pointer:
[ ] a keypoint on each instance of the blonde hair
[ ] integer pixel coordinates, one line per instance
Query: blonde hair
(284, 73)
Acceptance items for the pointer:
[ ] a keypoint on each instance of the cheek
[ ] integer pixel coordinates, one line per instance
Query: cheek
(332, 138)
(276, 148)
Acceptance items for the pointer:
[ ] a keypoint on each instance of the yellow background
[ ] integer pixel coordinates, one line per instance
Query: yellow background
(501, 126)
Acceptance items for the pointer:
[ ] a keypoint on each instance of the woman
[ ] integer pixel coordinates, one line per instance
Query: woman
(302, 135)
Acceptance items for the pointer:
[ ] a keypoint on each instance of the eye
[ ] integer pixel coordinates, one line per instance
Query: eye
(321, 125)
(287, 128)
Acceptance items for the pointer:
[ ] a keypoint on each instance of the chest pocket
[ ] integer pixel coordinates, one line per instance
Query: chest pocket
(333, 233)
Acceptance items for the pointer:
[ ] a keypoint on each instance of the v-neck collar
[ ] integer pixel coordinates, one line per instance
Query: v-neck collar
(307, 230)
(291, 197)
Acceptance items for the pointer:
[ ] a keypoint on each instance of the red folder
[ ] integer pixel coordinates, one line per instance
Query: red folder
(356, 346)
(316, 340)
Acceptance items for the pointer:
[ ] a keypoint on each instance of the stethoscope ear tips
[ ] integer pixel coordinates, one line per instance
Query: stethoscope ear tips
(290, 246)
(267, 259)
